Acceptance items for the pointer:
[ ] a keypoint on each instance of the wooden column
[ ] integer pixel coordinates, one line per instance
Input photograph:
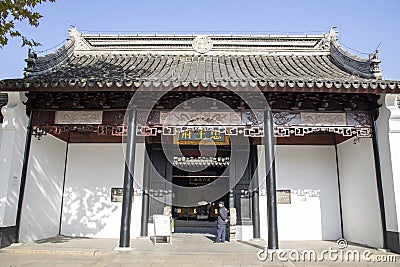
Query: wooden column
(124, 239)
(255, 213)
(271, 181)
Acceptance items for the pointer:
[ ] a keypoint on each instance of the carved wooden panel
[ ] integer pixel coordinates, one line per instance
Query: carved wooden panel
(200, 118)
(78, 117)
(323, 119)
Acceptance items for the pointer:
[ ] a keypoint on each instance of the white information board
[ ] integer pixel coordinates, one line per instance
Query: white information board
(162, 226)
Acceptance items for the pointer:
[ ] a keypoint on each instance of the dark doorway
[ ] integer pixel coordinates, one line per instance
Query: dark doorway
(200, 218)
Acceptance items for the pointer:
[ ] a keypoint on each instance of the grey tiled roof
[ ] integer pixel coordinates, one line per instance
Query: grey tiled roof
(194, 68)
(126, 60)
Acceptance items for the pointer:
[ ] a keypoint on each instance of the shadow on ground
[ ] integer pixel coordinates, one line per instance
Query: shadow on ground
(60, 239)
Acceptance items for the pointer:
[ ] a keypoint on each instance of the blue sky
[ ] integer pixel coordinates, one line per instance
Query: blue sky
(362, 24)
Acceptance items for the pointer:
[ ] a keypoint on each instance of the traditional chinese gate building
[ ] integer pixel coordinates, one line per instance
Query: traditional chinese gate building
(159, 105)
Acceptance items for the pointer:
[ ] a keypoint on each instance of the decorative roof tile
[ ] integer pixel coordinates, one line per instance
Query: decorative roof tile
(126, 60)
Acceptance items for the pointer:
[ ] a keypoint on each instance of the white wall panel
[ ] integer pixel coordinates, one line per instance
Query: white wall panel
(386, 167)
(1, 133)
(92, 170)
(40, 217)
(361, 213)
(262, 198)
(302, 168)
(12, 149)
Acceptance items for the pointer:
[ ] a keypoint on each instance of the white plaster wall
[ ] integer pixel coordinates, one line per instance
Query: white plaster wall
(138, 181)
(92, 170)
(40, 217)
(395, 159)
(386, 167)
(360, 206)
(12, 149)
(244, 232)
(302, 168)
(1, 134)
(1, 131)
(262, 197)
(391, 102)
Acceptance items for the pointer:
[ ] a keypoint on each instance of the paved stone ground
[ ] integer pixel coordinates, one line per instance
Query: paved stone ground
(186, 250)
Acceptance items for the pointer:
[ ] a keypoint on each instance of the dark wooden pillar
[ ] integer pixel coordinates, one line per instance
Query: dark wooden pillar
(255, 208)
(271, 181)
(124, 239)
(146, 187)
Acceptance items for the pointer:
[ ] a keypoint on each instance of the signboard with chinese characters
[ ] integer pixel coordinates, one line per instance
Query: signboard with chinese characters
(201, 180)
(189, 137)
(117, 194)
(200, 135)
(283, 197)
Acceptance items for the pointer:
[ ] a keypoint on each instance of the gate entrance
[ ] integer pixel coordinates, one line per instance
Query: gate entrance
(195, 168)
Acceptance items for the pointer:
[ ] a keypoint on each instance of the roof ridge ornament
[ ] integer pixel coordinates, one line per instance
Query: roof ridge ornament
(30, 62)
(80, 42)
(332, 36)
(374, 65)
(202, 44)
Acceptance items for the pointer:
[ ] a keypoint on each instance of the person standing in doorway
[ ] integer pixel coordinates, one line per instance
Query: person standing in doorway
(221, 224)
